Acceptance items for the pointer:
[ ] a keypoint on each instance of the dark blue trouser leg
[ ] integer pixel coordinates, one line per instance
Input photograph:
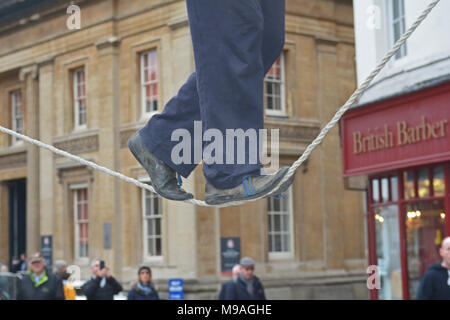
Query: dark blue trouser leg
(235, 44)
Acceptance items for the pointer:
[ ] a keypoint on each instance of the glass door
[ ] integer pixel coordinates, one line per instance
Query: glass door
(425, 230)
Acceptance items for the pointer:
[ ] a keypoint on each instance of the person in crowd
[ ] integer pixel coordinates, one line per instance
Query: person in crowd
(247, 286)
(143, 289)
(15, 264)
(102, 285)
(234, 276)
(40, 284)
(435, 284)
(63, 275)
(23, 263)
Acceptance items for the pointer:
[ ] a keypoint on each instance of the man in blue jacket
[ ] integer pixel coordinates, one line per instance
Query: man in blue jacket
(235, 44)
(247, 286)
(435, 284)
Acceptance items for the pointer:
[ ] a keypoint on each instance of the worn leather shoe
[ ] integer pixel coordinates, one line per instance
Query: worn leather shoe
(163, 178)
(251, 187)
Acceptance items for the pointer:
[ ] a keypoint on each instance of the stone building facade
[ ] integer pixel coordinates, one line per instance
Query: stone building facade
(86, 91)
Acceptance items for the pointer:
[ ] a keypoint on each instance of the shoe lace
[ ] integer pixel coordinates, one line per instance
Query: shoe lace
(249, 190)
(180, 181)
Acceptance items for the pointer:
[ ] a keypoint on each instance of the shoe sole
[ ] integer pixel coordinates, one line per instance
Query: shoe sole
(158, 191)
(239, 197)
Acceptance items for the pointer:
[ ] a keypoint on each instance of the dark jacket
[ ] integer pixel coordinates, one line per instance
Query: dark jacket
(237, 290)
(433, 285)
(93, 291)
(49, 288)
(137, 294)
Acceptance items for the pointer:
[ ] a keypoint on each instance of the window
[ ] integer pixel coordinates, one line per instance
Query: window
(81, 221)
(149, 83)
(17, 115)
(152, 216)
(274, 82)
(79, 98)
(280, 226)
(398, 25)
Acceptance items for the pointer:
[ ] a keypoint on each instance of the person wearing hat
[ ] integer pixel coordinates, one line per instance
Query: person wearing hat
(40, 284)
(143, 289)
(247, 286)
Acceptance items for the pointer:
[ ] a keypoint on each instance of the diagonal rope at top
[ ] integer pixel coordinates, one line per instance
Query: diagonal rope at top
(318, 140)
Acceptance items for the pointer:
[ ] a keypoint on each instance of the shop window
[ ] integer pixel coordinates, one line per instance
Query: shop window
(408, 185)
(388, 252)
(375, 190)
(425, 230)
(394, 188)
(423, 183)
(385, 189)
(438, 182)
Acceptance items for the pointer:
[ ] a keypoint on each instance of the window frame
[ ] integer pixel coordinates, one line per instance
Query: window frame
(145, 217)
(75, 188)
(13, 108)
(392, 21)
(282, 83)
(76, 99)
(284, 254)
(143, 96)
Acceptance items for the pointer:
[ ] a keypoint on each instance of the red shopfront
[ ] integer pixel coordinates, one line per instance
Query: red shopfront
(398, 151)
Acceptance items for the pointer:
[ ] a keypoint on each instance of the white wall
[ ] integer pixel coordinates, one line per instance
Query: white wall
(428, 47)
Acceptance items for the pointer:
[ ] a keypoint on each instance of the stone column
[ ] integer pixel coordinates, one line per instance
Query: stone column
(31, 128)
(107, 190)
(46, 172)
(330, 153)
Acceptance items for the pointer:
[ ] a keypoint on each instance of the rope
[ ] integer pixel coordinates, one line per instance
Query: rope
(318, 140)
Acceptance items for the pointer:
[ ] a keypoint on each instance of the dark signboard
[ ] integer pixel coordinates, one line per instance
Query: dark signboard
(47, 250)
(230, 253)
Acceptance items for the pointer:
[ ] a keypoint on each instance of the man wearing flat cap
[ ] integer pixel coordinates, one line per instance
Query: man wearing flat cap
(247, 286)
(40, 284)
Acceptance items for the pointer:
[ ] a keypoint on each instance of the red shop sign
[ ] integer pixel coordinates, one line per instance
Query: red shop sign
(410, 130)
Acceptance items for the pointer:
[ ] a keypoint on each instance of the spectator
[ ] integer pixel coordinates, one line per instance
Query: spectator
(247, 286)
(143, 289)
(40, 284)
(435, 284)
(15, 264)
(63, 275)
(23, 263)
(102, 285)
(234, 276)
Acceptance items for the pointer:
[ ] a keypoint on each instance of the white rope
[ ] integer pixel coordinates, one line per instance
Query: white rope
(318, 140)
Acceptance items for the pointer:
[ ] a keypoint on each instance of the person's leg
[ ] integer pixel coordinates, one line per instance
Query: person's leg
(179, 113)
(183, 109)
(227, 38)
(274, 31)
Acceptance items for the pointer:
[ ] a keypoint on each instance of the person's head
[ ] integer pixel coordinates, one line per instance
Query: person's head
(95, 266)
(445, 252)
(23, 257)
(247, 267)
(235, 271)
(144, 274)
(37, 263)
(61, 269)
